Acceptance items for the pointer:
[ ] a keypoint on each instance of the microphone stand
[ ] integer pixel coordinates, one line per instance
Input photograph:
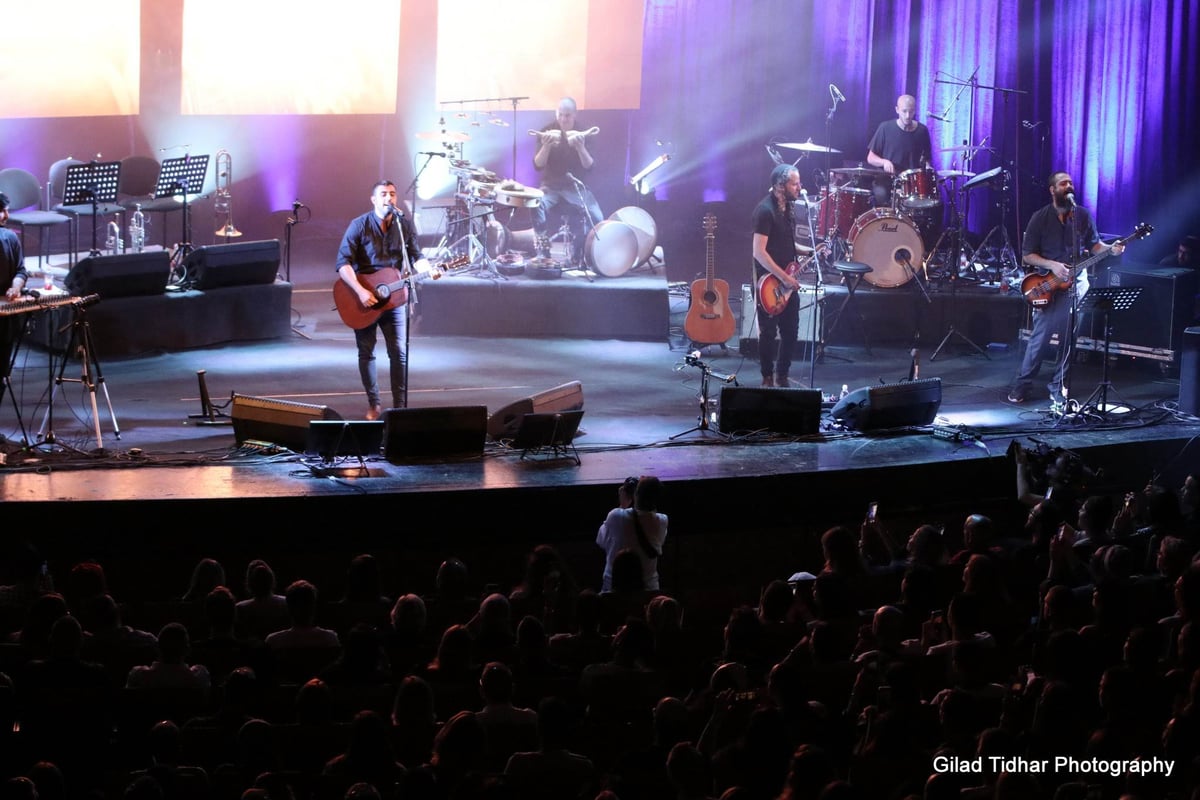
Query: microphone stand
(408, 304)
(837, 249)
(591, 226)
(291, 222)
(1066, 338)
(818, 318)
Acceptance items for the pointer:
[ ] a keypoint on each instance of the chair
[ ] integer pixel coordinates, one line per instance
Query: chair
(25, 204)
(56, 189)
(139, 179)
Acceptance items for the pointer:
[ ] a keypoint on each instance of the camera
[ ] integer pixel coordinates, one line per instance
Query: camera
(872, 507)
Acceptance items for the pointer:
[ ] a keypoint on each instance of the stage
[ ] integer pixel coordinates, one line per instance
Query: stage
(170, 475)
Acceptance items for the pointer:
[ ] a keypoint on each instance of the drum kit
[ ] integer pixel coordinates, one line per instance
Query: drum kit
(493, 226)
(897, 240)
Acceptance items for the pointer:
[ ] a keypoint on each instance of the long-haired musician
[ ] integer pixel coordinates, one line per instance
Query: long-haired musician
(774, 248)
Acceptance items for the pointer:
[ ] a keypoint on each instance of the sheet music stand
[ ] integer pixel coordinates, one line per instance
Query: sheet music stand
(182, 177)
(92, 184)
(1108, 300)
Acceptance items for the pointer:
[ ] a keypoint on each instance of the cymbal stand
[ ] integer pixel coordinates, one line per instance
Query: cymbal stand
(952, 234)
(702, 424)
(480, 261)
(951, 331)
(90, 377)
(1005, 261)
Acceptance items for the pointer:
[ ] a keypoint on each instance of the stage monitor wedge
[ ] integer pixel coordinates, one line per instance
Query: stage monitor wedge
(121, 275)
(242, 264)
(281, 422)
(450, 432)
(503, 424)
(795, 411)
(336, 438)
(892, 405)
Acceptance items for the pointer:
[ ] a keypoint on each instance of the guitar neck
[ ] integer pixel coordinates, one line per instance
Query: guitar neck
(708, 262)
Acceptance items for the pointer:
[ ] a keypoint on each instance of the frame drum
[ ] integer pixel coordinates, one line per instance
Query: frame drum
(889, 244)
(612, 248)
(643, 225)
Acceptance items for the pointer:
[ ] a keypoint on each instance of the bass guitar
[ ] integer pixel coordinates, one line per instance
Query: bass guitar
(1040, 288)
(389, 285)
(709, 318)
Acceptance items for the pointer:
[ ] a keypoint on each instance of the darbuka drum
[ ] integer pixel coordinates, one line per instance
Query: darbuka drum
(643, 225)
(482, 190)
(612, 248)
(514, 195)
(889, 244)
(839, 210)
(917, 188)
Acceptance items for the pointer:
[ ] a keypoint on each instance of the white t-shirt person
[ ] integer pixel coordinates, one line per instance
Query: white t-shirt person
(620, 531)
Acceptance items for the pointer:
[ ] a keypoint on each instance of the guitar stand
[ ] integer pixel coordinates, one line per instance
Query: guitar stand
(209, 414)
(90, 377)
(702, 423)
(1108, 300)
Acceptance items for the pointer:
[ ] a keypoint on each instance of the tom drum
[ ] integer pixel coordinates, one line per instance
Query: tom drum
(839, 210)
(917, 188)
(612, 248)
(890, 244)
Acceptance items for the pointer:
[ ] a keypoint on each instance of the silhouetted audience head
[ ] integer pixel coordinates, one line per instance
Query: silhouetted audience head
(648, 494)
(207, 575)
(220, 606)
(314, 703)
(260, 579)
(627, 575)
(413, 703)
(363, 581)
(839, 545)
(173, 643)
(408, 615)
(689, 771)
(302, 603)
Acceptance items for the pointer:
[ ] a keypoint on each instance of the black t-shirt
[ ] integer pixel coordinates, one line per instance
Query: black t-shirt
(905, 149)
(779, 227)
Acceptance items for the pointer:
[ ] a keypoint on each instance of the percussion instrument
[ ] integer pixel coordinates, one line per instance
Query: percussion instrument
(611, 248)
(858, 172)
(643, 225)
(839, 210)
(917, 188)
(807, 147)
(481, 191)
(890, 244)
(592, 131)
(515, 195)
(949, 174)
(984, 177)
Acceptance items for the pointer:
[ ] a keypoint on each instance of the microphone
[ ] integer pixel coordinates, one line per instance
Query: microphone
(836, 93)
(938, 117)
(1070, 199)
(431, 153)
(296, 206)
(395, 211)
(572, 177)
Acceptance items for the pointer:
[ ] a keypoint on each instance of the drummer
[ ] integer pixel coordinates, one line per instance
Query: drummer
(562, 157)
(898, 145)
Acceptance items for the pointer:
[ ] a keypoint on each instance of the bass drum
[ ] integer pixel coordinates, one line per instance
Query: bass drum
(889, 244)
(643, 226)
(611, 248)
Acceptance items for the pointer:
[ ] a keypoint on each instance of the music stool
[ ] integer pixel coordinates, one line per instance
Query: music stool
(852, 273)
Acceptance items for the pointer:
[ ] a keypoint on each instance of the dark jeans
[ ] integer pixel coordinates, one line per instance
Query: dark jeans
(775, 357)
(393, 325)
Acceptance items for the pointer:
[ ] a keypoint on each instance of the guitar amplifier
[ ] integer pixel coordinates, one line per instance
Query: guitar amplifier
(1157, 319)
(748, 341)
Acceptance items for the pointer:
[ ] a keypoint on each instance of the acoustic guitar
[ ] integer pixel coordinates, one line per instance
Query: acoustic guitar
(389, 287)
(1040, 288)
(709, 319)
(773, 294)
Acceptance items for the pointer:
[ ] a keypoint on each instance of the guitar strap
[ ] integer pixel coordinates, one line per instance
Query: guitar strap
(647, 548)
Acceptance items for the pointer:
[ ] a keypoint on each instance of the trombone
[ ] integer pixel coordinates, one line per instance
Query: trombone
(223, 199)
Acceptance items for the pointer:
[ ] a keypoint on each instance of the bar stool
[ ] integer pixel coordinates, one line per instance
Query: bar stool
(852, 273)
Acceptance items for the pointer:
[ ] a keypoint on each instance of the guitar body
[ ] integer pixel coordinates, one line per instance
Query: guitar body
(773, 295)
(390, 287)
(709, 319)
(386, 284)
(1040, 288)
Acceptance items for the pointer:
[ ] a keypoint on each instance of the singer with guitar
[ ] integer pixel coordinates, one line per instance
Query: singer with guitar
(1057, 236)
(561, 157)
(774, 248)
(383, 238)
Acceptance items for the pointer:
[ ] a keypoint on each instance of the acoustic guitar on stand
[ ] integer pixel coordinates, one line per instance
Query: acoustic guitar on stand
(389, 287)
(1040, 288)
(709, 318)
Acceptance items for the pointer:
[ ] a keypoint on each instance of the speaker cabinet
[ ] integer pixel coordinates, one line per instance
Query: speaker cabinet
(504, 423)
(281, 422)
(242, 264)
(428, 433)
(1157, 319)
(331, 439)
(894, 405)
(122, 275)
(795, 411)
(1189, 373)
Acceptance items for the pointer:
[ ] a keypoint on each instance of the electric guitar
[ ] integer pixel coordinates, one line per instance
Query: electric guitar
(1040, 288)
(773, 294)
(389, 285)
(709, 319)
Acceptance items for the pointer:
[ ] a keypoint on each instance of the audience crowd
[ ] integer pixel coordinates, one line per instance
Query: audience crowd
(1061, 660)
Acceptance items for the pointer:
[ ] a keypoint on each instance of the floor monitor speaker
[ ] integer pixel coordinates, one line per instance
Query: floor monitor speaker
(795, 411)
(893, 405)
(122, 275)
(281, 422)
(438, 432)
(241, 264)
(566, 397)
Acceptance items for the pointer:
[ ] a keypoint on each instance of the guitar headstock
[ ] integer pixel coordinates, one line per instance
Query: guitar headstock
(710, 224)
(1143, 230)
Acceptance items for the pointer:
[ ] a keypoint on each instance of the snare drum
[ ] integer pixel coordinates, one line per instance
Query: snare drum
(839, 210)
(890, 244)
(917, 188)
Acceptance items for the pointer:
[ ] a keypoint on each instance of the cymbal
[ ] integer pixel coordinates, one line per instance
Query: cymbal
(857, 171)
(948, 174)
(984, 177)
(445, 136)
(962, 148)
(807, 147)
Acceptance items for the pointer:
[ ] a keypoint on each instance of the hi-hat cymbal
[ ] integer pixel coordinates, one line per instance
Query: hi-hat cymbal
(857, 171)
(807, 147)
(445, 136)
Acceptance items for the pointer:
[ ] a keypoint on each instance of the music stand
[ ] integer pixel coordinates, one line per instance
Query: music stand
(92, 184)
(181, 177)
(1108, 300)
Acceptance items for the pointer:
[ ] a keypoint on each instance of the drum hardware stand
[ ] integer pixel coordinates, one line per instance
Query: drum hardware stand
(81, 339)
(1005, 261)
(951, 331)
(480, 261)
(1108, 300)
(702, 425)
(852, 273)
(589, 224)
